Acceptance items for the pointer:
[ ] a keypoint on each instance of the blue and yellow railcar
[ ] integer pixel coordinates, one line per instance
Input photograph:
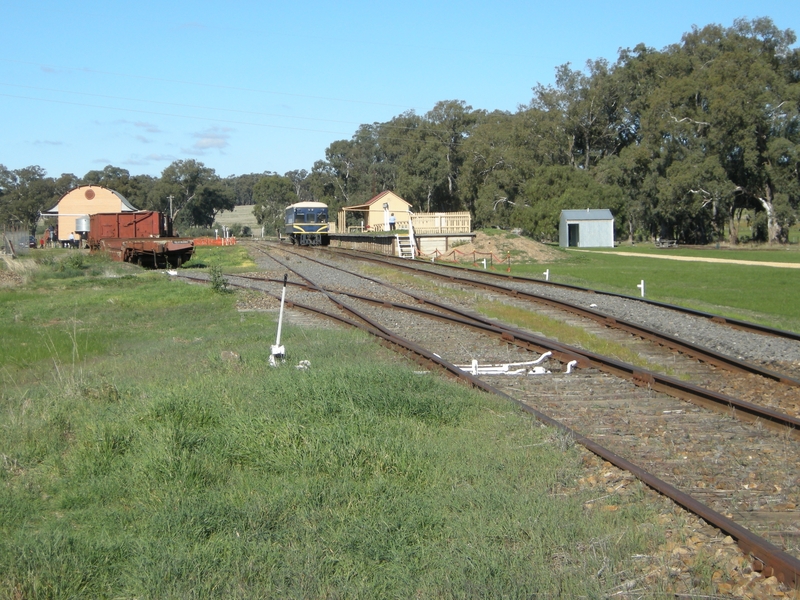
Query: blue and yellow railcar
(306, 223)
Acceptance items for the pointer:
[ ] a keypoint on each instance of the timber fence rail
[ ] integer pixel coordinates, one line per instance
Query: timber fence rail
(452, 256)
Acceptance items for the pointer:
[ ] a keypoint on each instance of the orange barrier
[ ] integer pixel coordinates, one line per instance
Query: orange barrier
(209, 241)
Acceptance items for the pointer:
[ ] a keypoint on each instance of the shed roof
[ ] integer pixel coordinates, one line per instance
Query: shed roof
(590, 214)
(126, 206)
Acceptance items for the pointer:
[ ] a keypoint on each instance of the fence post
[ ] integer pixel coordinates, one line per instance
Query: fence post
(509, 262)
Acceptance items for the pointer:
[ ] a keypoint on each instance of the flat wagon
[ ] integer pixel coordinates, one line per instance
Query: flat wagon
(143, 237)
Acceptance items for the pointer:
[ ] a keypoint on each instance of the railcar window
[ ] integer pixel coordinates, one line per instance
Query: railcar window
(322, 217)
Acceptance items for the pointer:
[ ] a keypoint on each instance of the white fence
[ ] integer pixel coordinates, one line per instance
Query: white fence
(452, 222)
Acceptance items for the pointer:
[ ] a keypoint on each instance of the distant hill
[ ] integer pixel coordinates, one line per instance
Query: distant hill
(243, 215)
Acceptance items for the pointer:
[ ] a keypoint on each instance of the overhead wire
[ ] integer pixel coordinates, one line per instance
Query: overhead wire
(204, 84)
(211, 119)
(176, 104)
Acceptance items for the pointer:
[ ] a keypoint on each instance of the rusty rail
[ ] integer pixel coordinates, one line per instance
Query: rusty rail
(418, 266)
(766, 557)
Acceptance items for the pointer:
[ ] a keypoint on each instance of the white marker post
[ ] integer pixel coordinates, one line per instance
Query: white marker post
(641, 287)
(279, 352)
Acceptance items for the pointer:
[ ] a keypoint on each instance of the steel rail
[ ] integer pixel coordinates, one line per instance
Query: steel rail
(696, 351)
(765, 556)
(743, 410)
(722, 403)
(722, 320)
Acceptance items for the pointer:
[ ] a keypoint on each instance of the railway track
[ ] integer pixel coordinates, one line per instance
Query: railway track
(745, 472)
(752, 383)
(458, 273)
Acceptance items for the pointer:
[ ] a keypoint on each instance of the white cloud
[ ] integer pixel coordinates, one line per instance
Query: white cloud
(150, 159)
(210, 139)
(148, 127)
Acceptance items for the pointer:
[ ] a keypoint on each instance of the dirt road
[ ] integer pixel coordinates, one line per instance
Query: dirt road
(733, 261)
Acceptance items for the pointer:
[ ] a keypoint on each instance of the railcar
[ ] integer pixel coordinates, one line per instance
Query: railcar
(306, 223)
(144, 237)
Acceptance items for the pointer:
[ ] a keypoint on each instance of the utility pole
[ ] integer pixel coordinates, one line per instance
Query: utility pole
(170, 207)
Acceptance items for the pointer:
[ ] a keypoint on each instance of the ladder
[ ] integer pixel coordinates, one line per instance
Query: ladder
(404, 249)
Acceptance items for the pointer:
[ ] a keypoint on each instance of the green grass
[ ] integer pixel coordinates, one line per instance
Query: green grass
(136, 462)
(232, 259)
(565, 333)
(753, 293)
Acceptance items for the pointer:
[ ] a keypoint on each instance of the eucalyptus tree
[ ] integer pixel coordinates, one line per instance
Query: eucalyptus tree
(501, 155)
(632, 172)
(354, 170)
(723, 122)
(111, 177)
(762, 157)
(241, 186)
(558, 187)
(135, 188)
(448, 125)
(24, 194)
(191, 192)
(271, 195)
(585, 111)
(338, 175)
(64, 183)
(302, 184)
(421, 168)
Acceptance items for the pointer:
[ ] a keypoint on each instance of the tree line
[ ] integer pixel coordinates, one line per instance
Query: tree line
(678, 143)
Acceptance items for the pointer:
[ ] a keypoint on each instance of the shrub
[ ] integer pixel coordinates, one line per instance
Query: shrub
(218, 282)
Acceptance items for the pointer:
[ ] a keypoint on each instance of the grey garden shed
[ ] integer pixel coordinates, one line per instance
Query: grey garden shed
(590, 228)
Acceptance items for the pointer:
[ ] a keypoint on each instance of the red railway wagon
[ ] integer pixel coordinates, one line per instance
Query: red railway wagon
(144, 238)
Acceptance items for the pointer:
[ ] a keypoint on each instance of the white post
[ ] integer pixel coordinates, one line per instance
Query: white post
(279, 351)
(547, 275)
(641, 286)
(484, 264)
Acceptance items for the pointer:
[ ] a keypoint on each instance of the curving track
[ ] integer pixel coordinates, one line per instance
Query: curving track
(745, 473)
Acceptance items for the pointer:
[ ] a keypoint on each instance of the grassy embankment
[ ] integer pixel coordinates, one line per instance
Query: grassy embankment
(136, 461)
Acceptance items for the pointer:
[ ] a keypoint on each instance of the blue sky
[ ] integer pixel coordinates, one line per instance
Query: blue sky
(248, 87)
